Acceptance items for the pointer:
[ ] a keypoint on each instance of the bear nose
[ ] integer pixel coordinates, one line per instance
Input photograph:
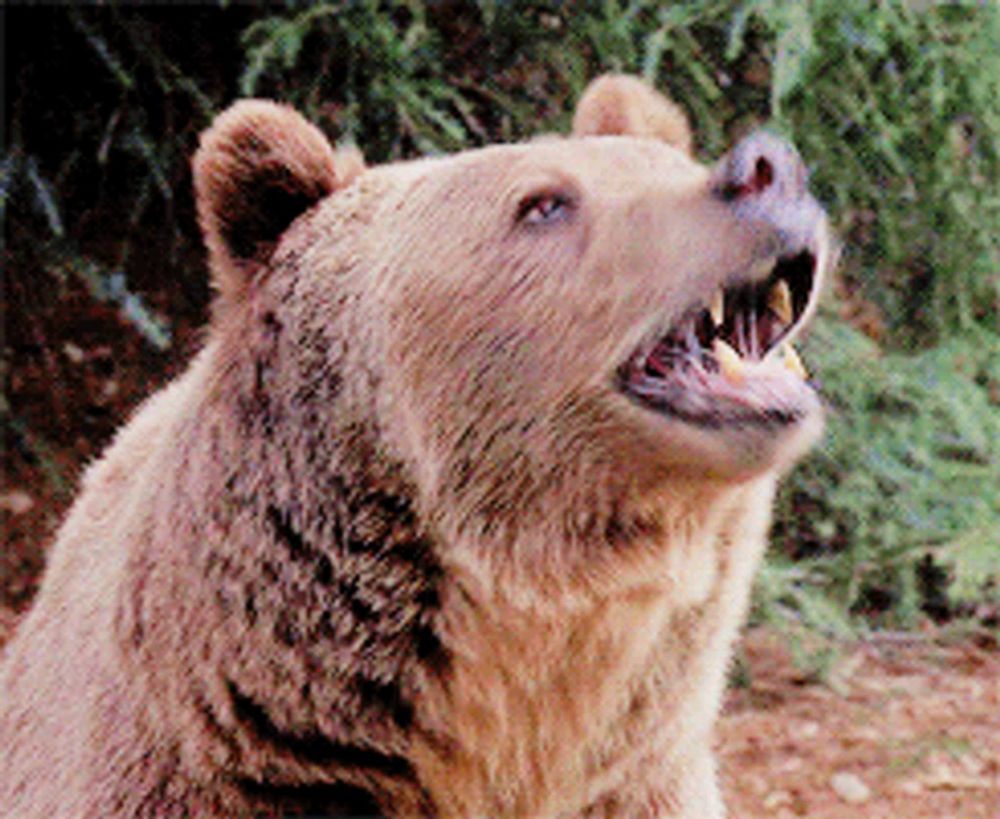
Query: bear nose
(763, 182)
(762, 166)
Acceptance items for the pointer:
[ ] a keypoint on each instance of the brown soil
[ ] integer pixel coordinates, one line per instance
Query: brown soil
(906, 727)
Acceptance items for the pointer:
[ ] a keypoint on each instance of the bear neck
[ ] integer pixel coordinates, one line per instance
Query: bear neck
(551, 692)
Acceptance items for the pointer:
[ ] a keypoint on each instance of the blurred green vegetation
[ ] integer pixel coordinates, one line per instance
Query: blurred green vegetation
(895, 105)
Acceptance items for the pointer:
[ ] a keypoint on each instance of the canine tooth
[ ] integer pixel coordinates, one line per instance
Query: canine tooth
(717, 307)
(762, 269)
(729, 360)
(793, 362)
(780, 301)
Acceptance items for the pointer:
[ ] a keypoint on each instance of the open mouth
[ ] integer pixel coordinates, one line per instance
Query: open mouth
(729, 361)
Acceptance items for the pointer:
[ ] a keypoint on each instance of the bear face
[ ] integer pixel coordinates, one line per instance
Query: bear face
(587, 257)
(540, 323)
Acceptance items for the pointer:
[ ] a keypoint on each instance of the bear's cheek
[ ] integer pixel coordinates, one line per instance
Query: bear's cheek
(519, 326)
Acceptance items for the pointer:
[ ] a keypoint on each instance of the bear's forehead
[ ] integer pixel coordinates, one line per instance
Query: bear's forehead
(593, 166)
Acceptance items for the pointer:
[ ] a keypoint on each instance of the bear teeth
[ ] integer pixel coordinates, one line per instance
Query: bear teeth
(730, 363)
(779, 300)
(717, 307)
(793, 362)
(740, 325)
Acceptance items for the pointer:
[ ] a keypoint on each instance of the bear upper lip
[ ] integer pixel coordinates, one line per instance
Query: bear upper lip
(719, 362)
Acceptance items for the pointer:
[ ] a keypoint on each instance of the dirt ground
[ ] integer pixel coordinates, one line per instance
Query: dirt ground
(907, 727)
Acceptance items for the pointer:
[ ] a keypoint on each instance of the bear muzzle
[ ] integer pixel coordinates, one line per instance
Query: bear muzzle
(728, 360)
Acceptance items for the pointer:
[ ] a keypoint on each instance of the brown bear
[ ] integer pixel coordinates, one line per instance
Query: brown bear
(457, 510)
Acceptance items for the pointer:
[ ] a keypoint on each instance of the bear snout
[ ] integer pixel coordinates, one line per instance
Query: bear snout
(764, 180)
(762, 165)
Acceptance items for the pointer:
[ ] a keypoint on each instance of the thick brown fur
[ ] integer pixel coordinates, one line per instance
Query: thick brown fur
(395, 542)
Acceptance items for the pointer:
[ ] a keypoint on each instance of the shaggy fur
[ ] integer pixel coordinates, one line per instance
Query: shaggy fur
(395, 543)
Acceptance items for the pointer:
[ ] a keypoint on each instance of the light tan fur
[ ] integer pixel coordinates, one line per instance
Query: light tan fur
(627, 106)
(604, 706)
(396, 541)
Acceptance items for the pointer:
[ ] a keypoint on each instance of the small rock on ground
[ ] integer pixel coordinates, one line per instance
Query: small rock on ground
(850, 787)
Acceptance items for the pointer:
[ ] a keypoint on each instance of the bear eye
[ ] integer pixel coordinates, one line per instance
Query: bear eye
(544, 209)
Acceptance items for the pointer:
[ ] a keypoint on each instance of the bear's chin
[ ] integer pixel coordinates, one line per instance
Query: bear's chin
(728, 446)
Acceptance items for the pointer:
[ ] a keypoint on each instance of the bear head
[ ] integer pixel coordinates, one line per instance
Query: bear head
(559, 338)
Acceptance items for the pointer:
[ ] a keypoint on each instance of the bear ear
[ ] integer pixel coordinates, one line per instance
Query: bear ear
(258, 167)
(619, 105)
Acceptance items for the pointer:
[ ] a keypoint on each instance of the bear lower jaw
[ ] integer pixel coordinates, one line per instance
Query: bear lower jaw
(763, 394)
